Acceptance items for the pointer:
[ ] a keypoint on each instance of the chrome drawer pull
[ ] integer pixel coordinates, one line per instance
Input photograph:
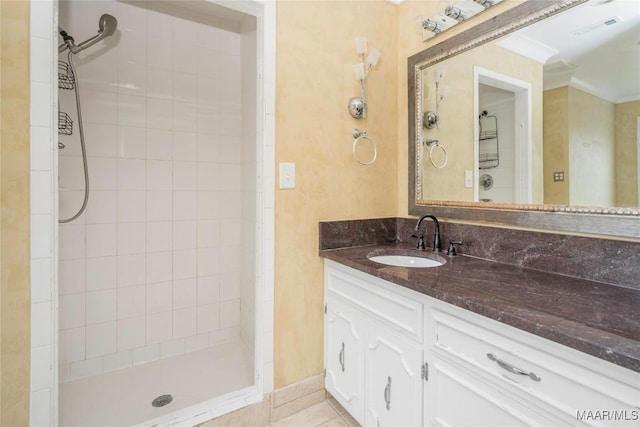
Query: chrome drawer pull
(514, 370)
(387, 393)
(341, 357)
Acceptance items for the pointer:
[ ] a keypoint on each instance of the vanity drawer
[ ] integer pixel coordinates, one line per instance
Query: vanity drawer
(372, 296)
(560, 377)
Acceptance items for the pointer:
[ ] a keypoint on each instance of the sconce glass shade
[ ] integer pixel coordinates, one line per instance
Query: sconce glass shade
(373, 57)
(356, 107)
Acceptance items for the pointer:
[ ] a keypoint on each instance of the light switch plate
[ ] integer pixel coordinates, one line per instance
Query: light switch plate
(287, 175)
(468, 179)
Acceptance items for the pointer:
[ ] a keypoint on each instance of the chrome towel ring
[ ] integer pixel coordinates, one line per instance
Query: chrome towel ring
(433, 143)
(361, 135)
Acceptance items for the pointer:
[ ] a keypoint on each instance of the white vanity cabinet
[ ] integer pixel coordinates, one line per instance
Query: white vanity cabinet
(513, 377)
(381, 339)
(373, 349)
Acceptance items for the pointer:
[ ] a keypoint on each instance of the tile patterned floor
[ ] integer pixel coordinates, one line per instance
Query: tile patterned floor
(324, 414)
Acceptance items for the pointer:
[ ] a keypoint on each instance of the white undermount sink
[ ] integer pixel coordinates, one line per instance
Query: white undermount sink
(406, 261)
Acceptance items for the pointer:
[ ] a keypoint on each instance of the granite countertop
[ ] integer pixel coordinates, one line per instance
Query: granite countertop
(596, 318)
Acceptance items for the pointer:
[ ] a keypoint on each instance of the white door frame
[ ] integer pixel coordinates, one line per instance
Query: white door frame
(523, 150)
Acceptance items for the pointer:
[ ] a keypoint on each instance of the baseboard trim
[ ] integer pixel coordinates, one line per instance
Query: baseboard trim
(279, 404)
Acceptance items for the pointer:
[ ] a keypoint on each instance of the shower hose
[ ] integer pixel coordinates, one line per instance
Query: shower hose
(76, 90)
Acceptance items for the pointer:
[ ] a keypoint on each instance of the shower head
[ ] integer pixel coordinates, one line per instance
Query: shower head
(106, 27)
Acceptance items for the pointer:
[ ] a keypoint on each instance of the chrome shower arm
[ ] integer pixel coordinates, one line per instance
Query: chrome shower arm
(91, 41)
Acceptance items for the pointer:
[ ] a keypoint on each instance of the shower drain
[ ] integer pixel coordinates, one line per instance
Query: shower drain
(161, 401)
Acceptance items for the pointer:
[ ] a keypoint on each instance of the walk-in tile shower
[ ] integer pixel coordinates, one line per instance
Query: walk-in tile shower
(157, 274)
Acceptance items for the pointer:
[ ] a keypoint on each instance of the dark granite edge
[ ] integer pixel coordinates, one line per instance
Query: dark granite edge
(590, 340)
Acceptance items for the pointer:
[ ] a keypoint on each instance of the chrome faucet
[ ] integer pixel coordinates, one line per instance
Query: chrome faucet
(437, 247)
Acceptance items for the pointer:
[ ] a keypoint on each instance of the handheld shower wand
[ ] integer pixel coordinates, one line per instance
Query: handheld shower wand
(106, 27)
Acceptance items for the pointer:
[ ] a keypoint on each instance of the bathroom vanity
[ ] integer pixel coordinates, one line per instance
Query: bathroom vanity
(474, 342)
(528, 327)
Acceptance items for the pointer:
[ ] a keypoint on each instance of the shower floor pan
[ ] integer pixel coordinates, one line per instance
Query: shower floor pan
(124, 397)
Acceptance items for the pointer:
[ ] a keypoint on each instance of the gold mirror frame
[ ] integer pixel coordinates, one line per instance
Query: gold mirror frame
(605, 221)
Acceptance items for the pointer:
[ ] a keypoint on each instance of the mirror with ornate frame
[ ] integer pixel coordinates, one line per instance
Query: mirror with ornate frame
(426, 67)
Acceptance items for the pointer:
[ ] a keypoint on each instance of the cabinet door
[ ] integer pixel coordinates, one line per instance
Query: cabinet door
(393, 379)
(343, 358)
(454, 397)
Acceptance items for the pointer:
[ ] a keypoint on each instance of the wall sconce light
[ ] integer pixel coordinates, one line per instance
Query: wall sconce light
(452, 15)
(358, 105)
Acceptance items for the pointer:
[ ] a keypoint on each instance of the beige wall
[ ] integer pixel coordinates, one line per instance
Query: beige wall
(591, 150)
(626, 153)
(556, 145)
(14, 219)
(315, 79)
(588, 150)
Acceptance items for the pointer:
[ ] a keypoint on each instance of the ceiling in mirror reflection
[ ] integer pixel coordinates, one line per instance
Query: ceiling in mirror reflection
(593, 47)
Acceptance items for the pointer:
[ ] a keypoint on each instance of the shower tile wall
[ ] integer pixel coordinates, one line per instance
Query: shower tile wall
(152, 268)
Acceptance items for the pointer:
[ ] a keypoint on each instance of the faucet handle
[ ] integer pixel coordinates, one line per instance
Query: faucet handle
(452, 248)
(421, 244)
